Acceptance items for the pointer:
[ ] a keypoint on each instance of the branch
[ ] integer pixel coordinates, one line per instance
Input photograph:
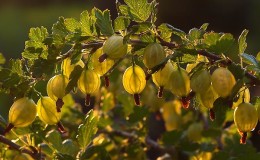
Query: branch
(228, 61)
(35, 155)
(148, 141)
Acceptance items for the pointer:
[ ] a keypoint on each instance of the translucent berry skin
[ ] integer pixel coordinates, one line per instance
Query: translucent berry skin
(223, 81)
(89, 82)
(23, 112)
(162, 77)
(56, 87)
(101, 68)
(47, 112)
(67, 67)
(208, 97)
(200, 81)
(180, 82)
(114, 47)
(134, 79)
(153, 55)
(245, 117)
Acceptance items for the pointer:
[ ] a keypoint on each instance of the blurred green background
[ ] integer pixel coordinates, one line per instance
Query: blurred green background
(18, 16)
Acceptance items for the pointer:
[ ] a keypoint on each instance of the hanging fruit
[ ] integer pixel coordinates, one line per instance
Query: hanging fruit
(246, 118)
(67, 67)
(162, 78)
(88, 83)
(56, 89)
(134, 81)
(207, 99)
(21, 114)
(113, 48)
(200, 81)
(153, 55)
(223, 81)
(102, 68)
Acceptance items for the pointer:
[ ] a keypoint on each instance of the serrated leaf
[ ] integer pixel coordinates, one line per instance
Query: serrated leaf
(211, 38)
(177, 31)
(249, 59)
(16, 66)
(2, 58)
(72, 24)
(86, 24)
(165, 32)
(204, 26)
(54, 138)
(73, 79)
(59, 32)
(42, 66)
(30, 56)
(139, 10)
(104, 22)
(121, 23)
(195, 34)
(38, 34)
(87, 130)
(242, 41)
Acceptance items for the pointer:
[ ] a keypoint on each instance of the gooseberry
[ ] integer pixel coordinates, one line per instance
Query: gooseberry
(134, 81)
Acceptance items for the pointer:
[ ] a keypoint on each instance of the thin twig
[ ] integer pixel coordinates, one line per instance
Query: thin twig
(35, 155)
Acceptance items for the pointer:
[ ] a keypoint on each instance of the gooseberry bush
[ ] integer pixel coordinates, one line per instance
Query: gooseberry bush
(129, 88)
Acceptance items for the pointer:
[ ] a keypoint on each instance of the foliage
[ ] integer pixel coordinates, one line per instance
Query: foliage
(112, 126)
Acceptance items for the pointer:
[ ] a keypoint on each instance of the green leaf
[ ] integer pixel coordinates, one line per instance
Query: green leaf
(42, 66)
(242, 41)
(16, 66)
(60, 156)
(121, 23)
(171, 138)
(220, 108)
(139, 10)
(54, 138)
(72, 24)
(138, 114)
(126, 102)
(204, 26)
(99, 151)
(165, 32)
(195, 34)
(73, 79)
(249, 59)
(104, 22)
(211, 38)
(38, 34)
(212, 132)
(87, 130)
(86, 24)
(69, 147)
(59, 32)
(2, 58)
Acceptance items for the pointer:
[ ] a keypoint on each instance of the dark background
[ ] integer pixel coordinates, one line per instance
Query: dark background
(18, 16)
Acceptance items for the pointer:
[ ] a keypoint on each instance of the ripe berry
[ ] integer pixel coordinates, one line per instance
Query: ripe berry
(46, 109)
(200, 81)
(101, 68)
(162, 78)
(56, 89)
(153, 55)
(223, 81)
(88, 83)
(134, 81)
(22, 113)
(113, 48)
(246, 118)
(67, 67)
